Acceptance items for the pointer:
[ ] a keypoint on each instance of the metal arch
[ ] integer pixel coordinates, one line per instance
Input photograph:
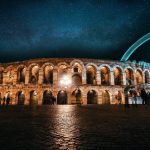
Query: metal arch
(135, 46)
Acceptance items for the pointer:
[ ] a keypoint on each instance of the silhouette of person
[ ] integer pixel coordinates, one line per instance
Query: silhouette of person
(144, 96)
(126, 90)
(135, 98)
(4, 100)
(7, 100)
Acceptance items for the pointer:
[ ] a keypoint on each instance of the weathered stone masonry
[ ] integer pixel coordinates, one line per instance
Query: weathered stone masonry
(93, 81)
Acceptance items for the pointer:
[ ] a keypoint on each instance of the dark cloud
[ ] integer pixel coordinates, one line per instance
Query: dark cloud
(72, 28)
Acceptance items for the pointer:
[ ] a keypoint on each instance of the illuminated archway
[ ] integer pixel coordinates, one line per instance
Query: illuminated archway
(21, 98)
(47, 97)
(105, 97)
(92, 97)
(33, 98)
(76, 96)
(62, 97)
(135, 46)
(139, 77)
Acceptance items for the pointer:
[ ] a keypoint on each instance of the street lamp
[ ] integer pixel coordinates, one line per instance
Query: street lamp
(65, 81)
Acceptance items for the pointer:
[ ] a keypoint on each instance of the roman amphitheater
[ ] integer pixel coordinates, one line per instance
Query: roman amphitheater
(70, 80)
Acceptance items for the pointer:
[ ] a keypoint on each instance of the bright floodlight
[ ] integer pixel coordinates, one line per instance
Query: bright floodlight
(65, 81)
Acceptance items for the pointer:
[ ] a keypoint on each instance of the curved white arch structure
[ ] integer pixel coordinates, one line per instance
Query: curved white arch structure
(135, 46)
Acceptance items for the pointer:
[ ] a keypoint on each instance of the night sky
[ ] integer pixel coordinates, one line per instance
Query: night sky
(102, 29)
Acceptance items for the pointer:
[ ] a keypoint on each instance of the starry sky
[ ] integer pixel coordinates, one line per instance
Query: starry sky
(102, 29)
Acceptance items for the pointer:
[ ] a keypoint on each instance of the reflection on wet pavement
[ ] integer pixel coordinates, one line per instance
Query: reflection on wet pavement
(74, 127)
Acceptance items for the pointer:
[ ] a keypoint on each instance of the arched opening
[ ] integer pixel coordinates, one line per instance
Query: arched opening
(33, 98)
(76, 96)
(118, 97)
(1, 77)
(77, 74)
(21, 75)
(62, 71)
(62, 97)
(129, 76)
(105, 97)
(92, 97)
(48, 75)
(105, 76)
(147, 77)
(47, 98)
(91, 75)
(139, 77)
(34, 75)
(8, 98)
(76, 79)
(118, 76)
(21, 98)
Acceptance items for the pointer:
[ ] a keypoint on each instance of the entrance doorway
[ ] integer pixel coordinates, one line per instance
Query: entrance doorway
(62, 97)
(91, 97)
(33, 98)
(105, 97)
(47, 98)
(21, 98)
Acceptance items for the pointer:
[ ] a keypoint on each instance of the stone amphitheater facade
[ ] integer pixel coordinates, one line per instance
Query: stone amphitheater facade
(93, 81)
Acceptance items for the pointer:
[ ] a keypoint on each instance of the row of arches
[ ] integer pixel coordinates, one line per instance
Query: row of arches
(62, 97)
(104, 75)
(90, 76)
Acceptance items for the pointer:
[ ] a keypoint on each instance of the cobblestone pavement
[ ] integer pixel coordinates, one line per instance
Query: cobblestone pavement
(74, 127)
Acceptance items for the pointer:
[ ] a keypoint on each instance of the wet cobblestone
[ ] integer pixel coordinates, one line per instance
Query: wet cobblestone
(74, 127)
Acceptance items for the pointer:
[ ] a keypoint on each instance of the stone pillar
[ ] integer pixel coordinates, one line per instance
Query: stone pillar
(124, 78)
(98, 78)
(27, 77)
(123, 98)
(27, 97)
(84, 98)
(15, 78)
(69, 73)
(4, 77)
(55, 77)
(143, 76)
(40, 95)
(13, 97)
(69, 96)
(84, 77)
(112, 78)
(40, 79)
(99, 101)
(55, 94)
(112, 99)
(134, 76)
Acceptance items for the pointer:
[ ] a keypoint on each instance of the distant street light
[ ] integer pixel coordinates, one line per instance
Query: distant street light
(65, 81)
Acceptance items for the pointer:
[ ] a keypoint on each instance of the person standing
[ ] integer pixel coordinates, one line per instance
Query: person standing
(126, 90)
(7, 100)
(144, 96)
(4, 100)
(135, 98)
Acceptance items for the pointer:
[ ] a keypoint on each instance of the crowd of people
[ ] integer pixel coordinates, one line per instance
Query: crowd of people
(5, 100)
(145, 96)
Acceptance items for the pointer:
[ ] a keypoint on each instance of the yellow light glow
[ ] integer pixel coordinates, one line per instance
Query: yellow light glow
(65, 81)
